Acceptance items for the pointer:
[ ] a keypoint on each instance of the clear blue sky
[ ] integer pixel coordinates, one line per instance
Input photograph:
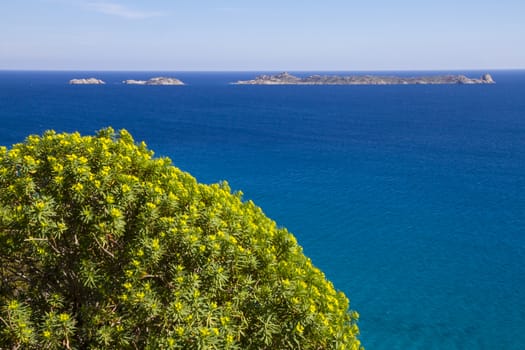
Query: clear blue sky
(262, 35)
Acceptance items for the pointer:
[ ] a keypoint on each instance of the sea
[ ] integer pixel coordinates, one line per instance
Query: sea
(410, 198)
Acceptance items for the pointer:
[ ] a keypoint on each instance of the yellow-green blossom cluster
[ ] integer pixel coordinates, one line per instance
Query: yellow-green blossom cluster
(103, 246)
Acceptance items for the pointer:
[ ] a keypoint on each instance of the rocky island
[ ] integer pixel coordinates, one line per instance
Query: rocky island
(86, 81)
(288, 79)
(154, 81)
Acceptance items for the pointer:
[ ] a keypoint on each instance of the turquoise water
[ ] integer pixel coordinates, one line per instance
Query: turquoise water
(410, 198)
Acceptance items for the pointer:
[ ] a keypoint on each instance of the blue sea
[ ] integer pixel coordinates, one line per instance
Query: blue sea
(410, 198)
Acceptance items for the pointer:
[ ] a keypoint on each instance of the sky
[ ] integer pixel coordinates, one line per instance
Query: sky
(256, 35)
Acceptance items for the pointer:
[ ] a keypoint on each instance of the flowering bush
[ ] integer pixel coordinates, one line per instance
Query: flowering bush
(103, 246)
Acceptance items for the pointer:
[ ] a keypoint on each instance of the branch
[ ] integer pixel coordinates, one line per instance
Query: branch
(101, 247)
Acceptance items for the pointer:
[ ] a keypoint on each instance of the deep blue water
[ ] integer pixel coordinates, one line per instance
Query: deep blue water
(410, 198)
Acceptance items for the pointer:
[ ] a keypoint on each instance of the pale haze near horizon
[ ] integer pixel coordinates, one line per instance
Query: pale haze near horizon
(239, 35)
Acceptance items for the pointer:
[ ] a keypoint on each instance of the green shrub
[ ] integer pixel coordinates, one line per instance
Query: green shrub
(103, 246)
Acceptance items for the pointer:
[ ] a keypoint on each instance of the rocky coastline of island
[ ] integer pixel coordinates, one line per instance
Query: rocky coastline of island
(289, 79)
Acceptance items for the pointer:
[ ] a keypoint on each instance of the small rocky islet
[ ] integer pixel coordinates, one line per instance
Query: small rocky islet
(87, 81)
(154, 81)
(289, 79)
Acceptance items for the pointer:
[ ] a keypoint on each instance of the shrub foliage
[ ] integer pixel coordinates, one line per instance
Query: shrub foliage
(103, 246)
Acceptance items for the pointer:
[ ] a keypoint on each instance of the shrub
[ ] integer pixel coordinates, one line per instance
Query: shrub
(103, 246)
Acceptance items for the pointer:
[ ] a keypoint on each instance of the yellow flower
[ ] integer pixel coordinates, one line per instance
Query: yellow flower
(178, 306)
(29, 160)
(299, 328)
(13, 305)
(71, 157)
(224, 320)
(78, 187)
(63, 317)
(76, 137)
(324, 320)
(180, 331)
(115, 213)
(46, 334)
(155, 245)
(40, 205)
(105, 169)
(13, 153)
(33, 139)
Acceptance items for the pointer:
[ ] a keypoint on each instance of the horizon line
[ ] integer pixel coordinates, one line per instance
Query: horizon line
(258, 70)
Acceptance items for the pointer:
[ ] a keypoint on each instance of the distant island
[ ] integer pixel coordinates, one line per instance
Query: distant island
(87, 81)
(154, 81)
(288, 79)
